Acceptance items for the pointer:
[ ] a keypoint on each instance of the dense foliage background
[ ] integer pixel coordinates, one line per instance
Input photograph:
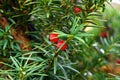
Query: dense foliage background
(59, 40)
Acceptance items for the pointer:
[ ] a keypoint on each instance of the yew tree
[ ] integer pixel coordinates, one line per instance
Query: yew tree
(50, 40)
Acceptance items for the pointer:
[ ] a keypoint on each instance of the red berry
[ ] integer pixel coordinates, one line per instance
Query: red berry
(60, 43)
(118, 61)
(104, 34)
(77, 10)
(53, 37)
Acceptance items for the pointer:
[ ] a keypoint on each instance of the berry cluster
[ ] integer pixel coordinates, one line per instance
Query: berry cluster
(60, 43)
(54, 36)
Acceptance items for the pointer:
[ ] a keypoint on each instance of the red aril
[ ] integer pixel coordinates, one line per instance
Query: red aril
(53, 37)
(77, 10)
(104, 34)
(61, 45)
(118, 61)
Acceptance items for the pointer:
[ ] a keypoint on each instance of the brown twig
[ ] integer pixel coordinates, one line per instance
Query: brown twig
(52, 59)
